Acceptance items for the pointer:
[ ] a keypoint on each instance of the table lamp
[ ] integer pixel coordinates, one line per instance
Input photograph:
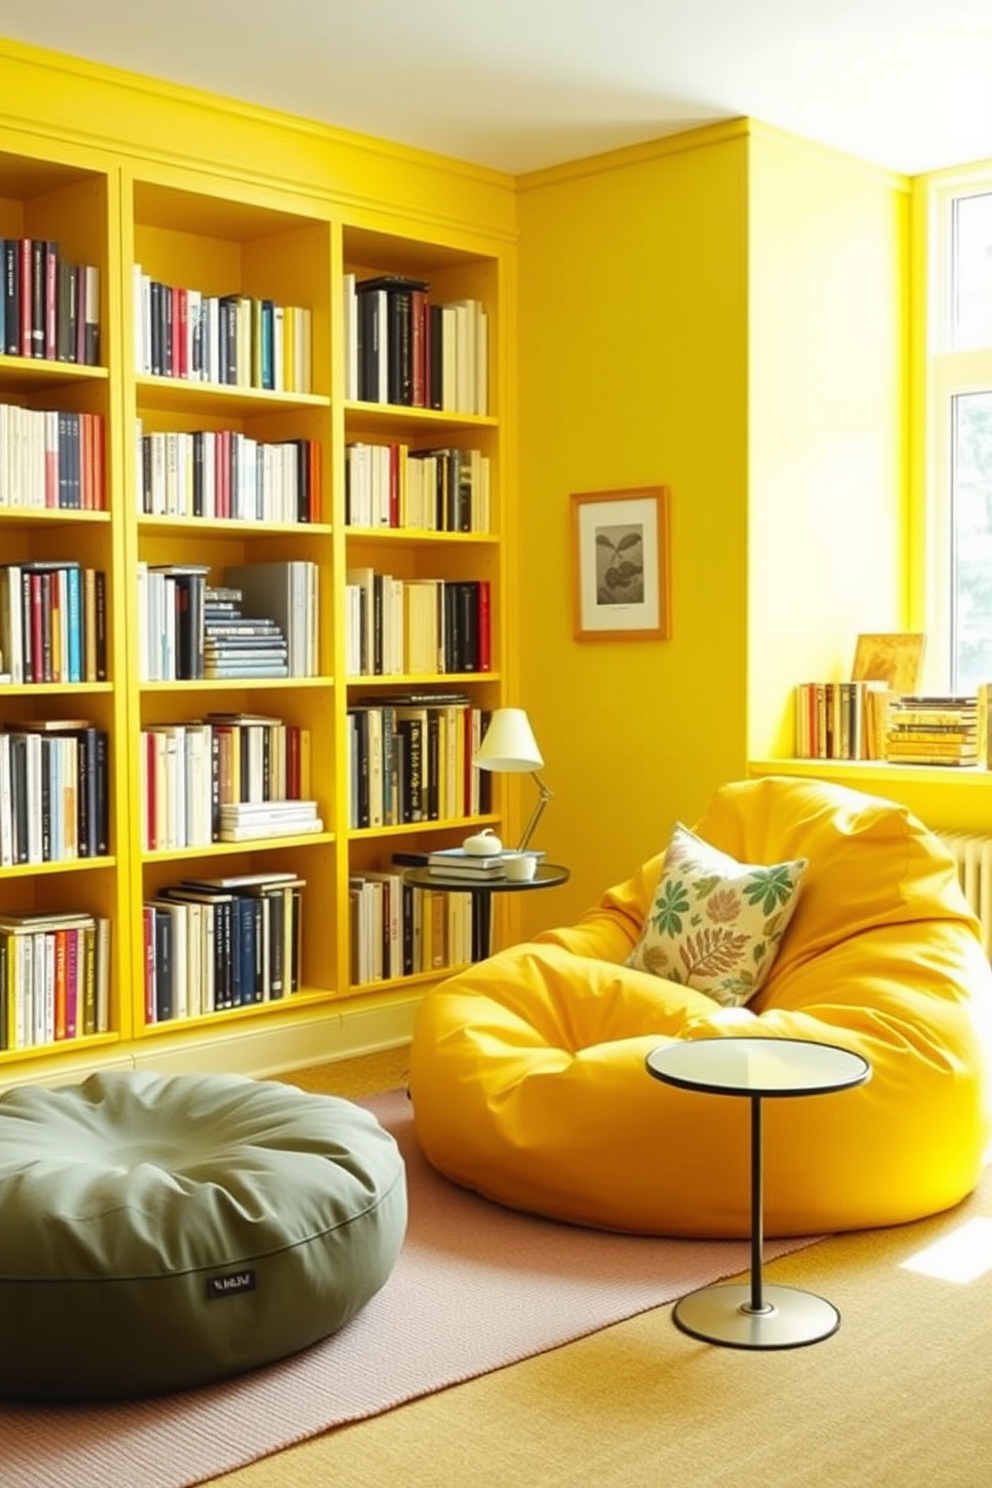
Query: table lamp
(509, 745)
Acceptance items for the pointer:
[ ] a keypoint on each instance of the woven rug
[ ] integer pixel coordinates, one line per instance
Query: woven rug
(476, 1287)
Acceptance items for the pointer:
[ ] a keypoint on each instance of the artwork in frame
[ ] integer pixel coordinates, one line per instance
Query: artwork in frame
(894, 657)
(621, 565)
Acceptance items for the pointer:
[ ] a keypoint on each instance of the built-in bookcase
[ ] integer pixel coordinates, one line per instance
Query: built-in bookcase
(203, 238)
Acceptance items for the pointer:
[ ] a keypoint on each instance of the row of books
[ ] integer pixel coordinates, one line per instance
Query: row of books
(867, 720)
(237, 340)
(50, 306)
(53, 621)
(396, 930)
(191, 771)
(54, 791)
(431, 490)
(54, 978)
(222, 473)
(402, 348)
(841, 720)
(211, 944)
(410, 759)
(262, 622)
(51, 458)
(415, 626)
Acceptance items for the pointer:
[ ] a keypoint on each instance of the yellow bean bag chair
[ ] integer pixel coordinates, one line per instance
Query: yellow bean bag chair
(528, 1071)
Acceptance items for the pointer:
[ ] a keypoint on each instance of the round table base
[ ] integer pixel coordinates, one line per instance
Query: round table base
(790, 1318)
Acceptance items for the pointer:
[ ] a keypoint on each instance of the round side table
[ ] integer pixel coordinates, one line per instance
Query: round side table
(547, 876)
(756, 1316)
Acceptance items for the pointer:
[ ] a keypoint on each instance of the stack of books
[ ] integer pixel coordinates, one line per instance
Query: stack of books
(287, 593)
(243, 821)
(455, 862)
(932, 731)
(237, 645)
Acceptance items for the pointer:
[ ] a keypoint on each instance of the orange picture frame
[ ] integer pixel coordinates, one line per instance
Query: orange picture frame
(621, 565)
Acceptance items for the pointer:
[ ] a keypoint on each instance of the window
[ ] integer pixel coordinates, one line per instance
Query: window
(959, 384)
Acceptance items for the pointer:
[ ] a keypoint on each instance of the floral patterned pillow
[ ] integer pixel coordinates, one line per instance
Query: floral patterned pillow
(716, 924)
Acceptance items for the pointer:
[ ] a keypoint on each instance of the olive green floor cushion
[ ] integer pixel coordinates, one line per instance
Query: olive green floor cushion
(159, 1232)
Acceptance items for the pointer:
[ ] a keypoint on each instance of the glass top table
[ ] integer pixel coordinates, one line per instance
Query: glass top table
(756, 1316)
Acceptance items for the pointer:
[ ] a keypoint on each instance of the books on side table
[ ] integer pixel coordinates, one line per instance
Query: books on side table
(455, 862)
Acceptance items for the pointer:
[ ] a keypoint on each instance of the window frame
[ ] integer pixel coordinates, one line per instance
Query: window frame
(947, 373)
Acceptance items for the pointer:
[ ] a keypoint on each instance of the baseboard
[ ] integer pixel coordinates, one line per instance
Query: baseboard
(247, 1050)
(275, 1049)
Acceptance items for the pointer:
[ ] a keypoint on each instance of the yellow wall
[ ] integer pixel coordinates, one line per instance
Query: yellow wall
(633, 363)
(827, 484)
(724, 312)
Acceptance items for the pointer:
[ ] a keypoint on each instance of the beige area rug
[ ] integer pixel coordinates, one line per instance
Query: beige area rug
(476, 1287)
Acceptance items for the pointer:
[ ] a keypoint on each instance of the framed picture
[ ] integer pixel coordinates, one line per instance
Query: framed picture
(621, 565)
(895, 658)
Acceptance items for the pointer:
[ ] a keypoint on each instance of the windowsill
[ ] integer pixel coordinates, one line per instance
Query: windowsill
(968, 776)
(947, 797)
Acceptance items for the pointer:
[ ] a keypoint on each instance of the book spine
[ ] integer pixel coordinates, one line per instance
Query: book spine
(12, 296)
(51, 269)
(39, 280)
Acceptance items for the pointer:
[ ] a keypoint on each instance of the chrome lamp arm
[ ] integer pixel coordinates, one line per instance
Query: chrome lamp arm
(546, 794)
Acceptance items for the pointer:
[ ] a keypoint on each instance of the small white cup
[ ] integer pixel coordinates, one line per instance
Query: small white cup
(520, 867)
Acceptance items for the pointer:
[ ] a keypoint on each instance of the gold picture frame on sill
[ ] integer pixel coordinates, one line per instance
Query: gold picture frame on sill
(621, 565)
(895, 658)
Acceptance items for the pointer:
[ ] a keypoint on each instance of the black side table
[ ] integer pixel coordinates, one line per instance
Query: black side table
(547, 876)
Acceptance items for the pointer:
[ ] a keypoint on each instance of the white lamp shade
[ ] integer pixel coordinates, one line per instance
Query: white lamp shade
(509, 743)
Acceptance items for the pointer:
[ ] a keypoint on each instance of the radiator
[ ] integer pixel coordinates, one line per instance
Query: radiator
(973, 854)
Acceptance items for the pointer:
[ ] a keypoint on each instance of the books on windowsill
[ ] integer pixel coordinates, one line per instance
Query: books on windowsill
(925, 730)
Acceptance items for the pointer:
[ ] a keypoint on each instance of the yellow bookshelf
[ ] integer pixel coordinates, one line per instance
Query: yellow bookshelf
(285, 219)
(68, 195)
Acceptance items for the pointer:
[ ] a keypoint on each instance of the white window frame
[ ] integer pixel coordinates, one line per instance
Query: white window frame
(947, 373)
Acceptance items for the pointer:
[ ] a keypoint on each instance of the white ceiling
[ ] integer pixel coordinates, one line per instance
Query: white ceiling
(520, 84)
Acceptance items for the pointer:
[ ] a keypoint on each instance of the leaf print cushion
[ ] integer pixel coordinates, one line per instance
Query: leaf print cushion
(716, 924)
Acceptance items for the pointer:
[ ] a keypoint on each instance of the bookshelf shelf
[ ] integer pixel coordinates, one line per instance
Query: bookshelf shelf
(203, 528)
(30, 690)
(396, 416)
(417, 537)
(69, 865)
(415, 681)
(231, 849)
(211, 398)
(179, 246)
(426, 828)
(38, 518)
(18, 372)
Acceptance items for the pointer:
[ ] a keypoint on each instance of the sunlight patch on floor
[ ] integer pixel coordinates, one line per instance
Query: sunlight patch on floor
(962, 1256)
